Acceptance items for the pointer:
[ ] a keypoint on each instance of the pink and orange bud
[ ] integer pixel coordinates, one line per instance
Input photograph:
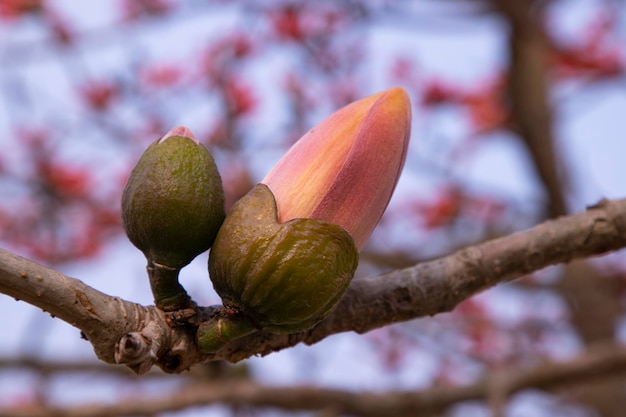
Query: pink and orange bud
(346, 168)
(288, 249)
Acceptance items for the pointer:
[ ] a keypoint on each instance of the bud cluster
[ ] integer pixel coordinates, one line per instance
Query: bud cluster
(286, 252)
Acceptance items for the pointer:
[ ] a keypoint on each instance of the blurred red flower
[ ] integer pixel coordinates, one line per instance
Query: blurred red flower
(99, 95)
(161, 75)
(239, 96)
(11, 9)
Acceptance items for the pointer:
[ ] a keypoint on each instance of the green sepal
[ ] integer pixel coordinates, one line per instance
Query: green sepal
(214, 334)
(285, 277)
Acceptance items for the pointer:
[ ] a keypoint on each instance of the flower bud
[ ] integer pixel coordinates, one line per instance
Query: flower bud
(288, 249)
(282, 277)
(345, 169)
(173, 206)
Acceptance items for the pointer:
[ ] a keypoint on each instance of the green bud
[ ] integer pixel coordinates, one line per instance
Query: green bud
(284, 277)
(173, 207)
(173, 202)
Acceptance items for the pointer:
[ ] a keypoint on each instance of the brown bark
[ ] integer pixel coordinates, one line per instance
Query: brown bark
(600, 362)
(125, 332)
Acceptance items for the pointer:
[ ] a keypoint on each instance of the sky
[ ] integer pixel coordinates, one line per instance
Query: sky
(590, 132)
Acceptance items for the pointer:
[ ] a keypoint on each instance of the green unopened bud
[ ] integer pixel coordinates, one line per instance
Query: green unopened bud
(172, 208)
(283, 277)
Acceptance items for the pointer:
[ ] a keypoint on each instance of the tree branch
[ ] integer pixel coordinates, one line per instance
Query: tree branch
(600, 361)
(119, 328)
(440, 285)
(529, 96)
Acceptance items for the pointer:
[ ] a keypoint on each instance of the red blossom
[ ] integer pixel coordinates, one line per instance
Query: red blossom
(69, 180)
(296, 22)
(12, 9)
(66, 180)
(88, 241)
(135, 9)
(49, 173)
(451, 202)
(161, 75)
(287, 22)
(580, 62)
(442, 210)
(223, 54)
(485, 105)
(479, 331)
(57, 231)
(437, 92)
(60, 29)
(239, 97)
(487, 111)
(99, 95)
(597, 55)
(106, 218)
(240, 45)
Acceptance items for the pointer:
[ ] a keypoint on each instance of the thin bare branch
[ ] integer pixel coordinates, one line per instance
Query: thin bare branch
(600, 361)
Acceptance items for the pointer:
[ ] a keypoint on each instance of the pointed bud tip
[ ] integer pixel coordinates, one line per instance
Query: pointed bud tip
(395, 91)
(180, 131)
(349, 163)
(398, 95)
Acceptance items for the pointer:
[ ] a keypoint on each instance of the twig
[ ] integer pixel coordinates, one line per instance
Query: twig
(422, 290)
(600, 361)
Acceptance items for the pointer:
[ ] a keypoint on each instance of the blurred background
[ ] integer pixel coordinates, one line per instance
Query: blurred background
(519, 113)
